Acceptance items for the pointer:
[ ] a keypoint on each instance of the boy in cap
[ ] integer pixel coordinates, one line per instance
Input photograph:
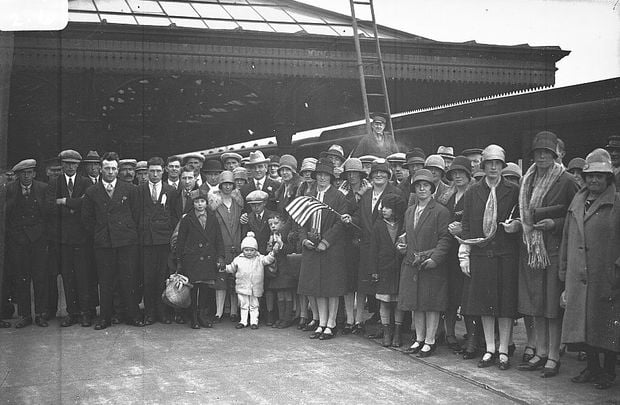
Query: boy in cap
(26, 244)
(64, 199)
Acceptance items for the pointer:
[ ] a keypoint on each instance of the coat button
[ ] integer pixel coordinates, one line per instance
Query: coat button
(201, 258)
(200, 245)
(584, 282)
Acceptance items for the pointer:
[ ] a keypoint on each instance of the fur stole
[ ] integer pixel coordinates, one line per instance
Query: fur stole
(214, 198)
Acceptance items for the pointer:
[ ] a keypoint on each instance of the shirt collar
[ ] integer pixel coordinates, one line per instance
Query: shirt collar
(69, 177)
(113, 183)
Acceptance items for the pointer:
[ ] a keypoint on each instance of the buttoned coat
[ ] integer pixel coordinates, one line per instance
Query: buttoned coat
(365, 217)
(24, 230)
(269, 186)
(385, 258)
(590, 267)
(155, 221)
(113, 222)
(231, 230)
(539, 290)
(65, 221)
(198, 249)
(425, 290)
(323, 274)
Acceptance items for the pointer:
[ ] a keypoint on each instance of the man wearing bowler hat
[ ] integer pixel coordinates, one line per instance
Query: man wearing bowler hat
(613, 147)
(64, 200)
(211, 174)
(26, 242)
(376, 143)
(110, 212)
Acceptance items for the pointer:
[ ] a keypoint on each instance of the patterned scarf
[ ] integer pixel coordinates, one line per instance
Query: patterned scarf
(489, 220)
(531, 198)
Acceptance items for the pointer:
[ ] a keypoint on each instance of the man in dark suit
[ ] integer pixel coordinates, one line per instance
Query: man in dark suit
(26, 242)
(92, 166)
(64, 202)
(182, 201)
(211, 174)
(155, 227)
(257, 165)
(110, 212)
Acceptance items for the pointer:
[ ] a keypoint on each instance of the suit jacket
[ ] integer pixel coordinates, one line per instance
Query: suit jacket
(155, 220)
(26, 229)
(176, 206)
(113, 222)
(65, 224)
(269, 186)
(260, 229)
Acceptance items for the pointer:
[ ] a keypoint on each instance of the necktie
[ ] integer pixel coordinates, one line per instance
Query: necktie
(185, 198)
(154, 193)
(70, 186)
(109, 189)
(175, 185)
(203, 220)
(26, 191)
(258, 185)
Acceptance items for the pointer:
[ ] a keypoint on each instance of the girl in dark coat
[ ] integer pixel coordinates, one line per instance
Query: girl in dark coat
(200, 249)
(423, 285)
(386, 259)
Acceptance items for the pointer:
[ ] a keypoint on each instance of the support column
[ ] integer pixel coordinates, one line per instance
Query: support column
(6, 64)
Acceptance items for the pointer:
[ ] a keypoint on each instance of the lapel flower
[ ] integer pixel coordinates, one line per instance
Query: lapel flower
(123, 199)
(269, 188)
(163, 199)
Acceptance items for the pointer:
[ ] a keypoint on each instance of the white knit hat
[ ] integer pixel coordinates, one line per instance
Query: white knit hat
(249, 241)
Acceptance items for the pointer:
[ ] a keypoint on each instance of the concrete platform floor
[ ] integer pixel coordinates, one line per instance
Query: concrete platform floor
(175, 364)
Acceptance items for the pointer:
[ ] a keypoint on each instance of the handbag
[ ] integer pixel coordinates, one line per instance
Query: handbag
(177, 291)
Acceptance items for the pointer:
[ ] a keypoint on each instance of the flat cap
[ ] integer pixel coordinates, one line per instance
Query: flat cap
(70, 156)
(256, 196)
(194, 156)
(230, 155)
(129, 162)
(398, 157)
(142, 165)
(25, 164)
(368, 158)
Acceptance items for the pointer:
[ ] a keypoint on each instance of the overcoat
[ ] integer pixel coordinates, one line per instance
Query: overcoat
(199, 248)
(176, 205)
(492, 288)
(65, 221)
(539, 290)
(425, 290)
(385, 258)
(284, 195)
(590, 267)
(286, 263)
(365, 217)
(269, 186)
(25, 230)
(323, 274)
(455, 275)
(156, 220)
(113, 222)
(352, 244)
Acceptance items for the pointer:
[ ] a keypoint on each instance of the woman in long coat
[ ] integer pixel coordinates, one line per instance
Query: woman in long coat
(323, 271)
(546, 192)
(226, 203)
(424, 275)
(590, 267)
(200, 250)
(488, 254)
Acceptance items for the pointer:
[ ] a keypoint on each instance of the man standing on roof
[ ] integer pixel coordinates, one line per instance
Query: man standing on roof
(377, 143)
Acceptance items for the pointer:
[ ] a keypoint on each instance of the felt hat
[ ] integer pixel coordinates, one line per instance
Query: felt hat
(435, 161)
(415, 156)
(576, 163)
(446, 151)
(256, 158)
(92, 157)
(598, 161)
(289, 162)
(512, 169)
(398, 157)
(459, 163)
(274, 160)
(240, 173)
(380, 165)
(493, 152)
(546, 140)
(256, 197)
(24, 164)
(424, 175)
(324, 165)
(227, 177)
(70, 156)
(230, 155)
(334, 150)
(249, 241)
(354, 165)
(212, 166)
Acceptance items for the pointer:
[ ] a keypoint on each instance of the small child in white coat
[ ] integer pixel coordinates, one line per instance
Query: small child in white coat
(249, 269)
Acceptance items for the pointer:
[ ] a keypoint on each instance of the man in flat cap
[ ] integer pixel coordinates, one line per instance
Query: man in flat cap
(64, 200)
(92, 166)
(110, 212)
(142, 177)
(475, 157)
(127, 170)
(231, 160)
(195, 161)
(26, 242)
(377, 143)
(397, 165)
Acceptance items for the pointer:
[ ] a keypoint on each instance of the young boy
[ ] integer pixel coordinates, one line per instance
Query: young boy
(249, 269)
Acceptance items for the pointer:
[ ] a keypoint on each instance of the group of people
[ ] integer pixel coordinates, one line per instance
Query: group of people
(433, 237)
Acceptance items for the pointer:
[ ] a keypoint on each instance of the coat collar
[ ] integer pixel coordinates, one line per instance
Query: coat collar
(193, 219)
